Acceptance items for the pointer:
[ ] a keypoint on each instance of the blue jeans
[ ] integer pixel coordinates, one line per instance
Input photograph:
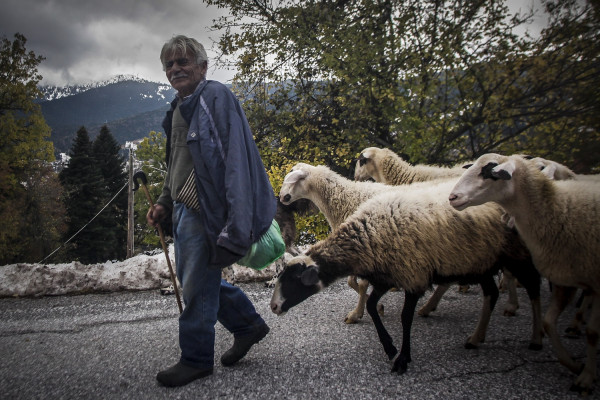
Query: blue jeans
(207, 298)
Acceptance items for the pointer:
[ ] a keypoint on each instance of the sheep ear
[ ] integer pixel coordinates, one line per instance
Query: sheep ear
(294, 176)
(310, 276)
(549, 171)
(504, 171)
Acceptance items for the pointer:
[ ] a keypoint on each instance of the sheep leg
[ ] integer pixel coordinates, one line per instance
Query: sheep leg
(384, 336)
(584, 302)
(490, 293)
(533, 291)
(585, 380)
(433, 301)
(358, 312)
(353, 282)
(538, 332)
(561, 297)
(510, 283)
(530, 278)
(408, 313)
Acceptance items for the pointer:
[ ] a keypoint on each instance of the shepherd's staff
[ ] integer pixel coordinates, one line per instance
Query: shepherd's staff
(142, 176)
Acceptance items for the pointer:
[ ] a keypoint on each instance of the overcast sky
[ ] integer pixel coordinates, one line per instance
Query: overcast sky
(89, 40)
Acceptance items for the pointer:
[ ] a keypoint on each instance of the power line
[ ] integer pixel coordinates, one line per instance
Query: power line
(89, 222)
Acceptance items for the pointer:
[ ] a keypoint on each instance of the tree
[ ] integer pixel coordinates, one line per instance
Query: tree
(438, 81)
(24, 148)
(151, 155)
(84, 191)
(44, 218)
(113, 219)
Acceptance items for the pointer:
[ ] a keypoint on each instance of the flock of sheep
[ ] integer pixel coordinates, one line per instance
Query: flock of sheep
(417, 226)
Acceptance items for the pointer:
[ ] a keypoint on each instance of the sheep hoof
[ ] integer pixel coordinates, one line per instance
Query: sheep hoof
(401, 364)
(583, 391)
(535, 346)
(509, 313)
(352, 317)
(380, 309)
(470, 346)
(425, 311)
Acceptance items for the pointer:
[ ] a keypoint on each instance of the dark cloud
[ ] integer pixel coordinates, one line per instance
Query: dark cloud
(88, 40)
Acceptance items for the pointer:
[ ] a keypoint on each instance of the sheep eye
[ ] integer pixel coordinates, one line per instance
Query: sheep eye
(486, 171)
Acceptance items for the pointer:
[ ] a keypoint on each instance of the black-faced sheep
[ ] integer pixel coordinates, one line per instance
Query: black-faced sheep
(406, 238)
(337, 198)
(559, 221)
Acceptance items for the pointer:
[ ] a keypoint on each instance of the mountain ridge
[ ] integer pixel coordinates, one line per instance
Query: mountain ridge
(129, 106)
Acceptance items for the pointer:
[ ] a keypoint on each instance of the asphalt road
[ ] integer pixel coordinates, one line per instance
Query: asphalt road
(110, 346)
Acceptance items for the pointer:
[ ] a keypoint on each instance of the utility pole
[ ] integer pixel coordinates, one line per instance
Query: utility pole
(130, 212)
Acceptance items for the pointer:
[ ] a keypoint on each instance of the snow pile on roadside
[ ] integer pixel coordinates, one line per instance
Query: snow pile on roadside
(141, 272)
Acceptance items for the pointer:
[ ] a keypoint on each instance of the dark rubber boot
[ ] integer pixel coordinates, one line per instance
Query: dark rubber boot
(181, 374)
(242, 344)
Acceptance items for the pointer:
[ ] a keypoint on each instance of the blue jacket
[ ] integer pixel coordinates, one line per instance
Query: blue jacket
(236, 198)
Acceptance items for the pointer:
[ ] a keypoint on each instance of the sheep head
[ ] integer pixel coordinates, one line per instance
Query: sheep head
(298, 281)
(552, 169)
(488, 179)
(365, 164)
(294, 185)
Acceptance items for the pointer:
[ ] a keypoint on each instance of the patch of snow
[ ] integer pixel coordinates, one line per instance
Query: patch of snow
(142, 272)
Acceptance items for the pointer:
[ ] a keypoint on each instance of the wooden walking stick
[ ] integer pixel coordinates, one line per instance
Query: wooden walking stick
(142, 176)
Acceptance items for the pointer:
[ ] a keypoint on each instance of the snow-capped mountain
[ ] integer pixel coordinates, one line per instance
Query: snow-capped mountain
(131, 107)
(50, 92)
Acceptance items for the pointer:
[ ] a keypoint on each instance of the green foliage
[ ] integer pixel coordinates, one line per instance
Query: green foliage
(438, 82)
(113, 219)
(81, 180)
(44, 218)
(151, 156)
(96, 201)
(24, 151)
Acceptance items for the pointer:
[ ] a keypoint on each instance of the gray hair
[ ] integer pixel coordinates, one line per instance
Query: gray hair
(185, 45)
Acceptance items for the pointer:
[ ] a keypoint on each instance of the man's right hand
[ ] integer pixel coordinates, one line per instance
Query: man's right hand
(156, 214)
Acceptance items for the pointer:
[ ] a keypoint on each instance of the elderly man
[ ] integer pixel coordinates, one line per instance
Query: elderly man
(221, 202)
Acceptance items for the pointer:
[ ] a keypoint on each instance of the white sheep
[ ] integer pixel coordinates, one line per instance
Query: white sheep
(385, 166)
(559, 221)
(553, 170)
(337, 198)
(407, 238)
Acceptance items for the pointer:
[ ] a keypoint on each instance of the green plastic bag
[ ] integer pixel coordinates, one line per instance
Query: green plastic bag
(266, 250)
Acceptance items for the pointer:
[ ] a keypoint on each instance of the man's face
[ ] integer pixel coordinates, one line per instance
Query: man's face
(183, 73)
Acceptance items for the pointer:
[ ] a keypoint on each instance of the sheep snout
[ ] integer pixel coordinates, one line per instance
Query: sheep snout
(458, 201)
